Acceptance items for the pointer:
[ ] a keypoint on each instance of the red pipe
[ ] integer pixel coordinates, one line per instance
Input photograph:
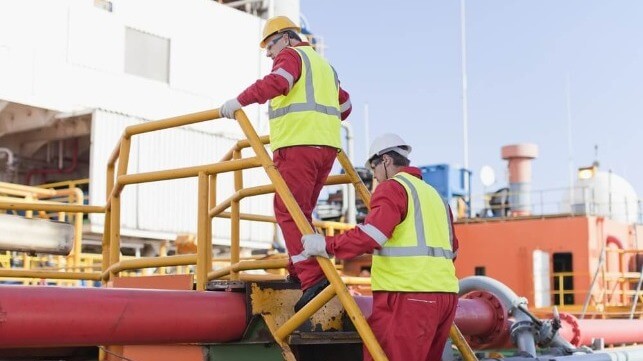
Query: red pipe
(480, 316)
(59, 317)
(473, 317)
(72, 167)
(613, 331)
(56, 316)
(484, 322)
(615, 241)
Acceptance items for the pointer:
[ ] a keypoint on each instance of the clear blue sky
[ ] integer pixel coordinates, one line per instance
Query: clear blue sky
(403, 58)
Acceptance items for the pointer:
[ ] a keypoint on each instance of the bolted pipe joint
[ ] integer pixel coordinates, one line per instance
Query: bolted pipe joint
(496, 331)
(522, 335)
(547, 332)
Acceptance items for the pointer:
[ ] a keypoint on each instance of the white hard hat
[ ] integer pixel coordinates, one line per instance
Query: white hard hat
(386, 143)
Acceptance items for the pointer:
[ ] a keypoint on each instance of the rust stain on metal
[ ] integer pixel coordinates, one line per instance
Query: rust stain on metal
(280, 304)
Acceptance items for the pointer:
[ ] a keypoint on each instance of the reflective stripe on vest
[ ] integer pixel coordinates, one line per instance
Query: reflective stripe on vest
(310, 104)
(421, 249)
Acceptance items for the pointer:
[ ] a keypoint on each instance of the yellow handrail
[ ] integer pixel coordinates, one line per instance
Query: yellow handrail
(117, 178)
(19, 197)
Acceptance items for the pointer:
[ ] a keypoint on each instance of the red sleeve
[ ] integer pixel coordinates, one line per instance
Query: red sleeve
(287, 63)
(456, 243)
(345, 103)
(388, 209)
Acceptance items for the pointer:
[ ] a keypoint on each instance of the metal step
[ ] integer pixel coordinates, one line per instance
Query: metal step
(324, 337)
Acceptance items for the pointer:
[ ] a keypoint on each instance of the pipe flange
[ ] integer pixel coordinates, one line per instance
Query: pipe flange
(500, 320)
(520, 327)
(572, 322)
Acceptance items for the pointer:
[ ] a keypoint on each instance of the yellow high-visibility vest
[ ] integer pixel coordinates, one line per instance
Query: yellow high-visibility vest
(309, 114)
(419, 255)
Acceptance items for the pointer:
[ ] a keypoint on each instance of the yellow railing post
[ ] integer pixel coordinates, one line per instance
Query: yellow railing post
(561, 289)
(203, 244)
(78, 228)
(212, 200)
(235, 248)
(115, 221)
(107, 228)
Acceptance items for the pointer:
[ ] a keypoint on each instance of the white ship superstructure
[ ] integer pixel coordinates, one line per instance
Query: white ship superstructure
(75, 73)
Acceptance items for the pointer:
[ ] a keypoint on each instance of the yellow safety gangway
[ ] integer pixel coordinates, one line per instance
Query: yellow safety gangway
(117, 179)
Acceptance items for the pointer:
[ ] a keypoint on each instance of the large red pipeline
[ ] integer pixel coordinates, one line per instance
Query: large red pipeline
(56, 316)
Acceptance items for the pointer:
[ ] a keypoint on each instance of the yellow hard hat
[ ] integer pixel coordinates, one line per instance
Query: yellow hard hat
(277, 24)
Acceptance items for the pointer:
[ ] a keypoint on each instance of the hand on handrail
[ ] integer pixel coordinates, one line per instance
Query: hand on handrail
(314, 245)
(229, 107)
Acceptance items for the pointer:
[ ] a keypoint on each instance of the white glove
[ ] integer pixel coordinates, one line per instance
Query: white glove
(314, 245)
(228, 108)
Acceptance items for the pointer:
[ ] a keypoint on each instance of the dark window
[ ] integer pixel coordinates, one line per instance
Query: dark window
(563, 280)
(480, 271)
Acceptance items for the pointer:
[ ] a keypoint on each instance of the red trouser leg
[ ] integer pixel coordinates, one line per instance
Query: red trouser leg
(448, 302)
(305, 169)
(410, 325)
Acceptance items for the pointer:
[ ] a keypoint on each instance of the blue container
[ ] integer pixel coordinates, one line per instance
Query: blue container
(449, 181)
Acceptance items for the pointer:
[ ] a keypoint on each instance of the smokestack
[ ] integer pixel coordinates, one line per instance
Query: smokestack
(519, 158)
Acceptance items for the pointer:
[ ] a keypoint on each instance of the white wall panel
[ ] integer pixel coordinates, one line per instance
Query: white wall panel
(96, 39)
(213, 56)
(107, 128)
(68, 55)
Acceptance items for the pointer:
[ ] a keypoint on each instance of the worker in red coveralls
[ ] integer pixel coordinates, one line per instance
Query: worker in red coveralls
(410, 232)
(306, 108)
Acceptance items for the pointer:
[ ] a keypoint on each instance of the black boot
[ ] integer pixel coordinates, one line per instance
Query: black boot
(310, 293)
(293, 279)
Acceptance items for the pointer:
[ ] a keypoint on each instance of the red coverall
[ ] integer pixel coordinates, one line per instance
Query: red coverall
(408, 325)
(304, 168)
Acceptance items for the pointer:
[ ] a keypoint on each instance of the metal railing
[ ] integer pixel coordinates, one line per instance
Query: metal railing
(118, 178)
(615, 285)
(554, 201)
(65, 205)
(113, 264)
